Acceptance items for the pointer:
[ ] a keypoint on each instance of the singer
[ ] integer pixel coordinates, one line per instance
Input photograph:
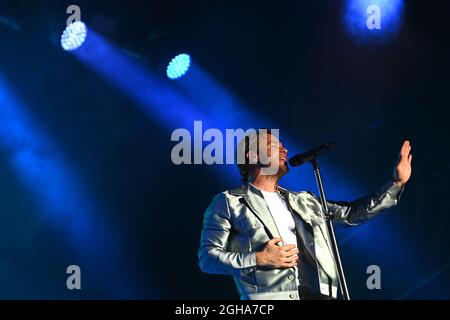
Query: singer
(273, 241)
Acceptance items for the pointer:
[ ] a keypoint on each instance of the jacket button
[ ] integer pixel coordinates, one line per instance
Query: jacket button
(292, 296)
(291, 277)
(256, 225)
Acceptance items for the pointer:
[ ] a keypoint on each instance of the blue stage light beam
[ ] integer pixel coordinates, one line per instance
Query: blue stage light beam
(154, 94)
(45, 172)
(373, 20)
(74, 36)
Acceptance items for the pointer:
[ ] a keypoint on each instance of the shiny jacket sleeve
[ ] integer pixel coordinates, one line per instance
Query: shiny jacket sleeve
(212, 253)
(364, 208)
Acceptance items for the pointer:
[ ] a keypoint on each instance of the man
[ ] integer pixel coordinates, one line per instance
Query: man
(274, 242)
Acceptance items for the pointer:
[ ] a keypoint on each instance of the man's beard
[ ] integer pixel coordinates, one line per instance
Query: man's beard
(282, 169)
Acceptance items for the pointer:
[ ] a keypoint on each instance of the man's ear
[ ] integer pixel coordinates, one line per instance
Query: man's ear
(252, 157)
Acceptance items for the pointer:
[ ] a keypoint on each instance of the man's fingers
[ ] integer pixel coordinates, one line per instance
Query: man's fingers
(288, 247)
(274, 241)
(289, 264)
(404, 149)
(410, 158)
(407, 153)
(292, 253)
(290, 259)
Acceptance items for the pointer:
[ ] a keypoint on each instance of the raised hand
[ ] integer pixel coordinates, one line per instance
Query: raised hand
(402, 171)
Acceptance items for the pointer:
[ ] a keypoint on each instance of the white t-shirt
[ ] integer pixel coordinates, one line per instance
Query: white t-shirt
(283, 219)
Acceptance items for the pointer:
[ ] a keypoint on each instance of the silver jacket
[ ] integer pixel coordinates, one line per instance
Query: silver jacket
(238, 223)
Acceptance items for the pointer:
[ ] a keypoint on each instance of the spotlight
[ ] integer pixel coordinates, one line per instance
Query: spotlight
(74, 36)
(178, 66)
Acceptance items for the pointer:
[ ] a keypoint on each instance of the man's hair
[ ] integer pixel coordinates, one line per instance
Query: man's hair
(249, 142)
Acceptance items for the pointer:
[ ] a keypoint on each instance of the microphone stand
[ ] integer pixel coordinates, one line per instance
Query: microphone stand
(331, 234)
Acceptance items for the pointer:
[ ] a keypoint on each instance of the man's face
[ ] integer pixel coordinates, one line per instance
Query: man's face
(275, 155)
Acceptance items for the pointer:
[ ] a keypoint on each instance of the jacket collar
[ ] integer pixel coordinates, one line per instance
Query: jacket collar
(255, 201)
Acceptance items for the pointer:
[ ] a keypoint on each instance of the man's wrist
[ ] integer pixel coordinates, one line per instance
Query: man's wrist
(398, 182)
(260, 261)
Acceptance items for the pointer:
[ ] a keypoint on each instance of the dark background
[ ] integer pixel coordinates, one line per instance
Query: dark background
(293, 62)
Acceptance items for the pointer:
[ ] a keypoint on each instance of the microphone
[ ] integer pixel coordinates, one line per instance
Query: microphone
(310, 155)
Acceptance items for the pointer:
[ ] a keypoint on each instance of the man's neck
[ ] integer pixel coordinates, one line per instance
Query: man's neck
(266, 183)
